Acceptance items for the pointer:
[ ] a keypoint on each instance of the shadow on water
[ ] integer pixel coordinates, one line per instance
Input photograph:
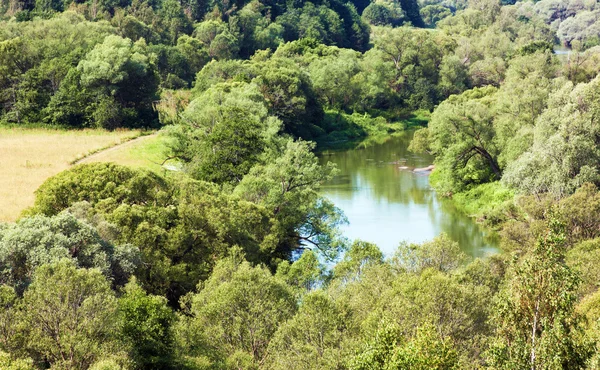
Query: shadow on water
(386, 202)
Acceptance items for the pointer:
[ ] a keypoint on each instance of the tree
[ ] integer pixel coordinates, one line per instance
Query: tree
(359, 257)
(442, 254)
(225, 131)
(564, 153)
(35, 241)
(390, 350)
(312, 339)
(145, 325)
(8, 363)
(383, 14)
(333, 79)
(286, 185)
(416, 56)
(431, 14)
(289, 95)
(536, 323)
(238, 310)
(117, 80)
(182, 226)
(461, 134)
(68, 315)
(305, 274)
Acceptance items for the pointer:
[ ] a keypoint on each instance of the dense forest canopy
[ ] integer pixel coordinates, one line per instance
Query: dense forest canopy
(236, 260)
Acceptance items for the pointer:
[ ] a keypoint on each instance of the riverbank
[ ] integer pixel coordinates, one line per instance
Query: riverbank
(348, 131)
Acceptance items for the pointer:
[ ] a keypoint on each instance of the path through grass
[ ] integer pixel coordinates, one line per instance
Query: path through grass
(144, 152)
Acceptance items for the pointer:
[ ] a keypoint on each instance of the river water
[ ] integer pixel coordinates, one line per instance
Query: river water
(386, 204)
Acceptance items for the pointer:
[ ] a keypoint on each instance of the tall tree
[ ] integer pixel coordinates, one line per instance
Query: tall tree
(68, 316)
(536, 322)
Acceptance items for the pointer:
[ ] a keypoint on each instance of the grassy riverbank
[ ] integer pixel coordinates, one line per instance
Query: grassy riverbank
(346, 131)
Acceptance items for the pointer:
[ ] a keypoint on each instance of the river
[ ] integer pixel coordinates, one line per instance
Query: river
(386, 204)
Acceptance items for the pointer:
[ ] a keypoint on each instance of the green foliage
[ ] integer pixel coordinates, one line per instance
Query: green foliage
(305, 274)
(461, 134)
(441, 254)
(35, 241)
(238, 309)
(113, 86)
(312, 338)
(508, 118)
(431, 14)
(554, 164)
(8, 363)
(224, 132)
(414, 57)
(340, 127)
(145, 326)
(389, 350)
(360, 256)
(582, 258)
(35, 59)
(383, 14)
(95, 182)
(68, 316)
(289, 96)
(536, 323)
(491, 202)
(173, 228)
(286, 185)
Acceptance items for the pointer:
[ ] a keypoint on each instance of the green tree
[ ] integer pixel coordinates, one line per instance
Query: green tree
(536, 323)
(289, 95)
(145, 323)
(68, 315)
(333, 80)
(359, 257)
(305, 274)
(442, 254)
(564, 152)
(225, 131)
(286, 185)
(461, 135)
(389, 350)
(8, 363)
(312, 339)
(114, 85)
(238, 310)
(38, 240)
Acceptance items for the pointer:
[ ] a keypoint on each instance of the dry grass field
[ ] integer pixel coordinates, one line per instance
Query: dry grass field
(30, 156)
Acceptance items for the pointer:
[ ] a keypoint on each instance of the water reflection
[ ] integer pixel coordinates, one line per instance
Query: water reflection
(386, 202)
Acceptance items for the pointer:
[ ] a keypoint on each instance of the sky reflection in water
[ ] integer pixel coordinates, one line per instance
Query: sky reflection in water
(385, 204)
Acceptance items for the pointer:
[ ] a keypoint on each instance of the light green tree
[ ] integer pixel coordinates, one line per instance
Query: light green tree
(237, 310)
(68, 315)
(312, 339)
(535, 319)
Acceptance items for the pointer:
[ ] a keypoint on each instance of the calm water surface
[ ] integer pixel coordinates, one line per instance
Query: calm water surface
(386, 204)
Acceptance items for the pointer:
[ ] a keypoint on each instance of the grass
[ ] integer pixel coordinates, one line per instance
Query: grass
(489, 203)
(346, 131)
(28, 156)
(146, 152)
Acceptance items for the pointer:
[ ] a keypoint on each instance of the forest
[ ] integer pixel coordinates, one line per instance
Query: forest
(236, 260)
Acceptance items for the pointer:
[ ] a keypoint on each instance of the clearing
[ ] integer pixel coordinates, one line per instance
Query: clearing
(144, 152)
(29, 156)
